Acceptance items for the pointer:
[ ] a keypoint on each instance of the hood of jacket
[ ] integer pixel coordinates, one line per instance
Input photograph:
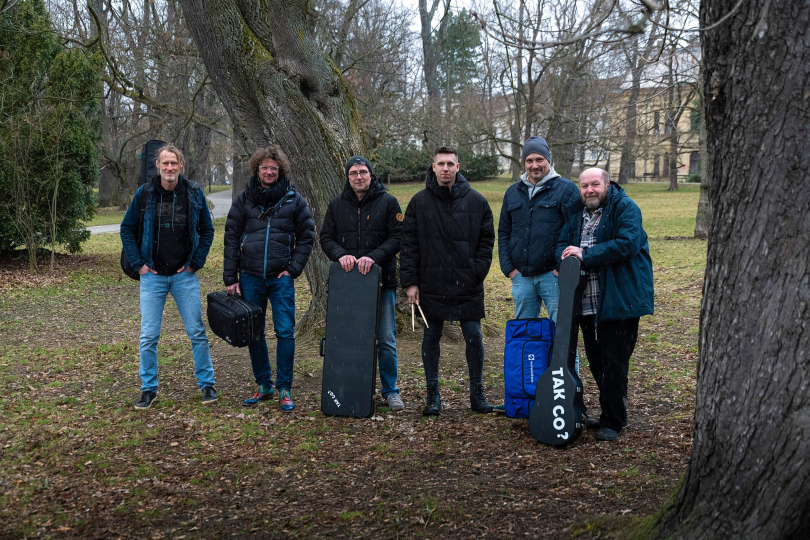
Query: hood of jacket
(460, 187)
(534, 189)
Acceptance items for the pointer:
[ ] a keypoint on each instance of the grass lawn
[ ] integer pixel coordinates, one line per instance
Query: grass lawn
(76, 460)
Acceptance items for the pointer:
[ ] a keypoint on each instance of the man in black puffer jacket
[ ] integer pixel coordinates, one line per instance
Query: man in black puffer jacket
(268, 240)
(447, 241)
(362, 226)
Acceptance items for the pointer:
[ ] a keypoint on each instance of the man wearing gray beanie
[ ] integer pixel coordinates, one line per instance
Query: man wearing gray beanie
(530, 223)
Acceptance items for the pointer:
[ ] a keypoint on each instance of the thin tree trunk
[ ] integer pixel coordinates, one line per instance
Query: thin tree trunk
(704, 212)
(673, 160)
(748, 476)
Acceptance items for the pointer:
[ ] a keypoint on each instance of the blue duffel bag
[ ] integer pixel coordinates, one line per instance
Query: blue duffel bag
(526, 355)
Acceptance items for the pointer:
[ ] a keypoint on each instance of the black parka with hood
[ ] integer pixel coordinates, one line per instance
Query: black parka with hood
(447, 241)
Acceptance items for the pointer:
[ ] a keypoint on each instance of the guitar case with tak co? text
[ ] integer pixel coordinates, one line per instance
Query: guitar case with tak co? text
(556, 417)
(349, 349)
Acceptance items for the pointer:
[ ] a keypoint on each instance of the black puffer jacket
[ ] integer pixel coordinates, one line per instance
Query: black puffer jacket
(447, 241)
(266, 247)
(364, 228)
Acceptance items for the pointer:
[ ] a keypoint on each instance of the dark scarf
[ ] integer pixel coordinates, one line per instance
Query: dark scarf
(274, 193)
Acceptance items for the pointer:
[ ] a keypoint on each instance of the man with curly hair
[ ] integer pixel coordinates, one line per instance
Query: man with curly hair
(268, 240)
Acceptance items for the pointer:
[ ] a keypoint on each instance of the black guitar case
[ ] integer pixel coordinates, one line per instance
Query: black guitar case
(148, 157)
(349, 349)
(556, 417)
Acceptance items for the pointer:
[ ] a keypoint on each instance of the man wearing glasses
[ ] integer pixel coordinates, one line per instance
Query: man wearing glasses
(268, 240)
(362, 226)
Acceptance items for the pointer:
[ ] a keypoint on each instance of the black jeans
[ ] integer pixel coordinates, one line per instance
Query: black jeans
(474, 350)
(609, 348)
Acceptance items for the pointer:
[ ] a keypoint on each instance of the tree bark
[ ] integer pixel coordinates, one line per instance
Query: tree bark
(704, 212)
(431, 51)
(748, 476)
(279, 87)
(627, 163)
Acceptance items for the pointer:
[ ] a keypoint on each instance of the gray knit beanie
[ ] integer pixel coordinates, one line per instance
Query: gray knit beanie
(536, 145)
(358, 160)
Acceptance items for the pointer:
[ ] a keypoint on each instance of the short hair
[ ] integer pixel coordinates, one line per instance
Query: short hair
(273, 152)
(444, 149)
(174, 150)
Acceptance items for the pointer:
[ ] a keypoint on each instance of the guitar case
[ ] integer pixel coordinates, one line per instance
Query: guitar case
(556, 417)
(349, 349)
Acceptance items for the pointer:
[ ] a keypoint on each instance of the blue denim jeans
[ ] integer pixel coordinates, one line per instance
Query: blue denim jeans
(528, 293)
(387, 341)
(474, 350)
(185, 289)
(281, 294)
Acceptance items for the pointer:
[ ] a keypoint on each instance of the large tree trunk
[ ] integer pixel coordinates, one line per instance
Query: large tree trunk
(749, 474)
(279, 87)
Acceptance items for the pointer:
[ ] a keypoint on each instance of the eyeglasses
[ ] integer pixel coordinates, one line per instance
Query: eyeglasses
(265, 168)
(355, 174)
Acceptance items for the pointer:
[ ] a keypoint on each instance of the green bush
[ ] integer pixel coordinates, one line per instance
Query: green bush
(693, 178)
(408, 163)
(48, 133)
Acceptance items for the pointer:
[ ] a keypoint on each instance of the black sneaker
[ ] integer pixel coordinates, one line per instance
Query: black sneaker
(209, 395)
(606, 434)
(591, 423)
(145, 401)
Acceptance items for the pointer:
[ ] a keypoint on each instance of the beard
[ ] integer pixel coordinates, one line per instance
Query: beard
(593, 203)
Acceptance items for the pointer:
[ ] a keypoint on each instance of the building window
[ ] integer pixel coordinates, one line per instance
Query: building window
(656, 168)
(694, 163)
(694, 120)
(666, 165)
(656, 119)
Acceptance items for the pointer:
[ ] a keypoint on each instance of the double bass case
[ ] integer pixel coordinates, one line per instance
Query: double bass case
(556, 417)
(349, 349)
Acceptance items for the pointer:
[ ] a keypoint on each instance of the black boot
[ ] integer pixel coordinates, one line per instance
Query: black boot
(434, 401)
(478, 401)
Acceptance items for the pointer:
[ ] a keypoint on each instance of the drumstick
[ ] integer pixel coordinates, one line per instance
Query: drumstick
(423, 315)
(413, 319)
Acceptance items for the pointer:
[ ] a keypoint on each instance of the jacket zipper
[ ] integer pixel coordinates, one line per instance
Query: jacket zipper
(266, 241)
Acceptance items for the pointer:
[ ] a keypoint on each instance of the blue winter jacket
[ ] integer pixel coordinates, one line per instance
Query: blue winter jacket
(528, 229)
(200, 227)
(622, 254)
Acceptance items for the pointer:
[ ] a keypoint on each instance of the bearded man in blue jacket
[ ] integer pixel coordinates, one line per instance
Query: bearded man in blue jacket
(605, 232)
